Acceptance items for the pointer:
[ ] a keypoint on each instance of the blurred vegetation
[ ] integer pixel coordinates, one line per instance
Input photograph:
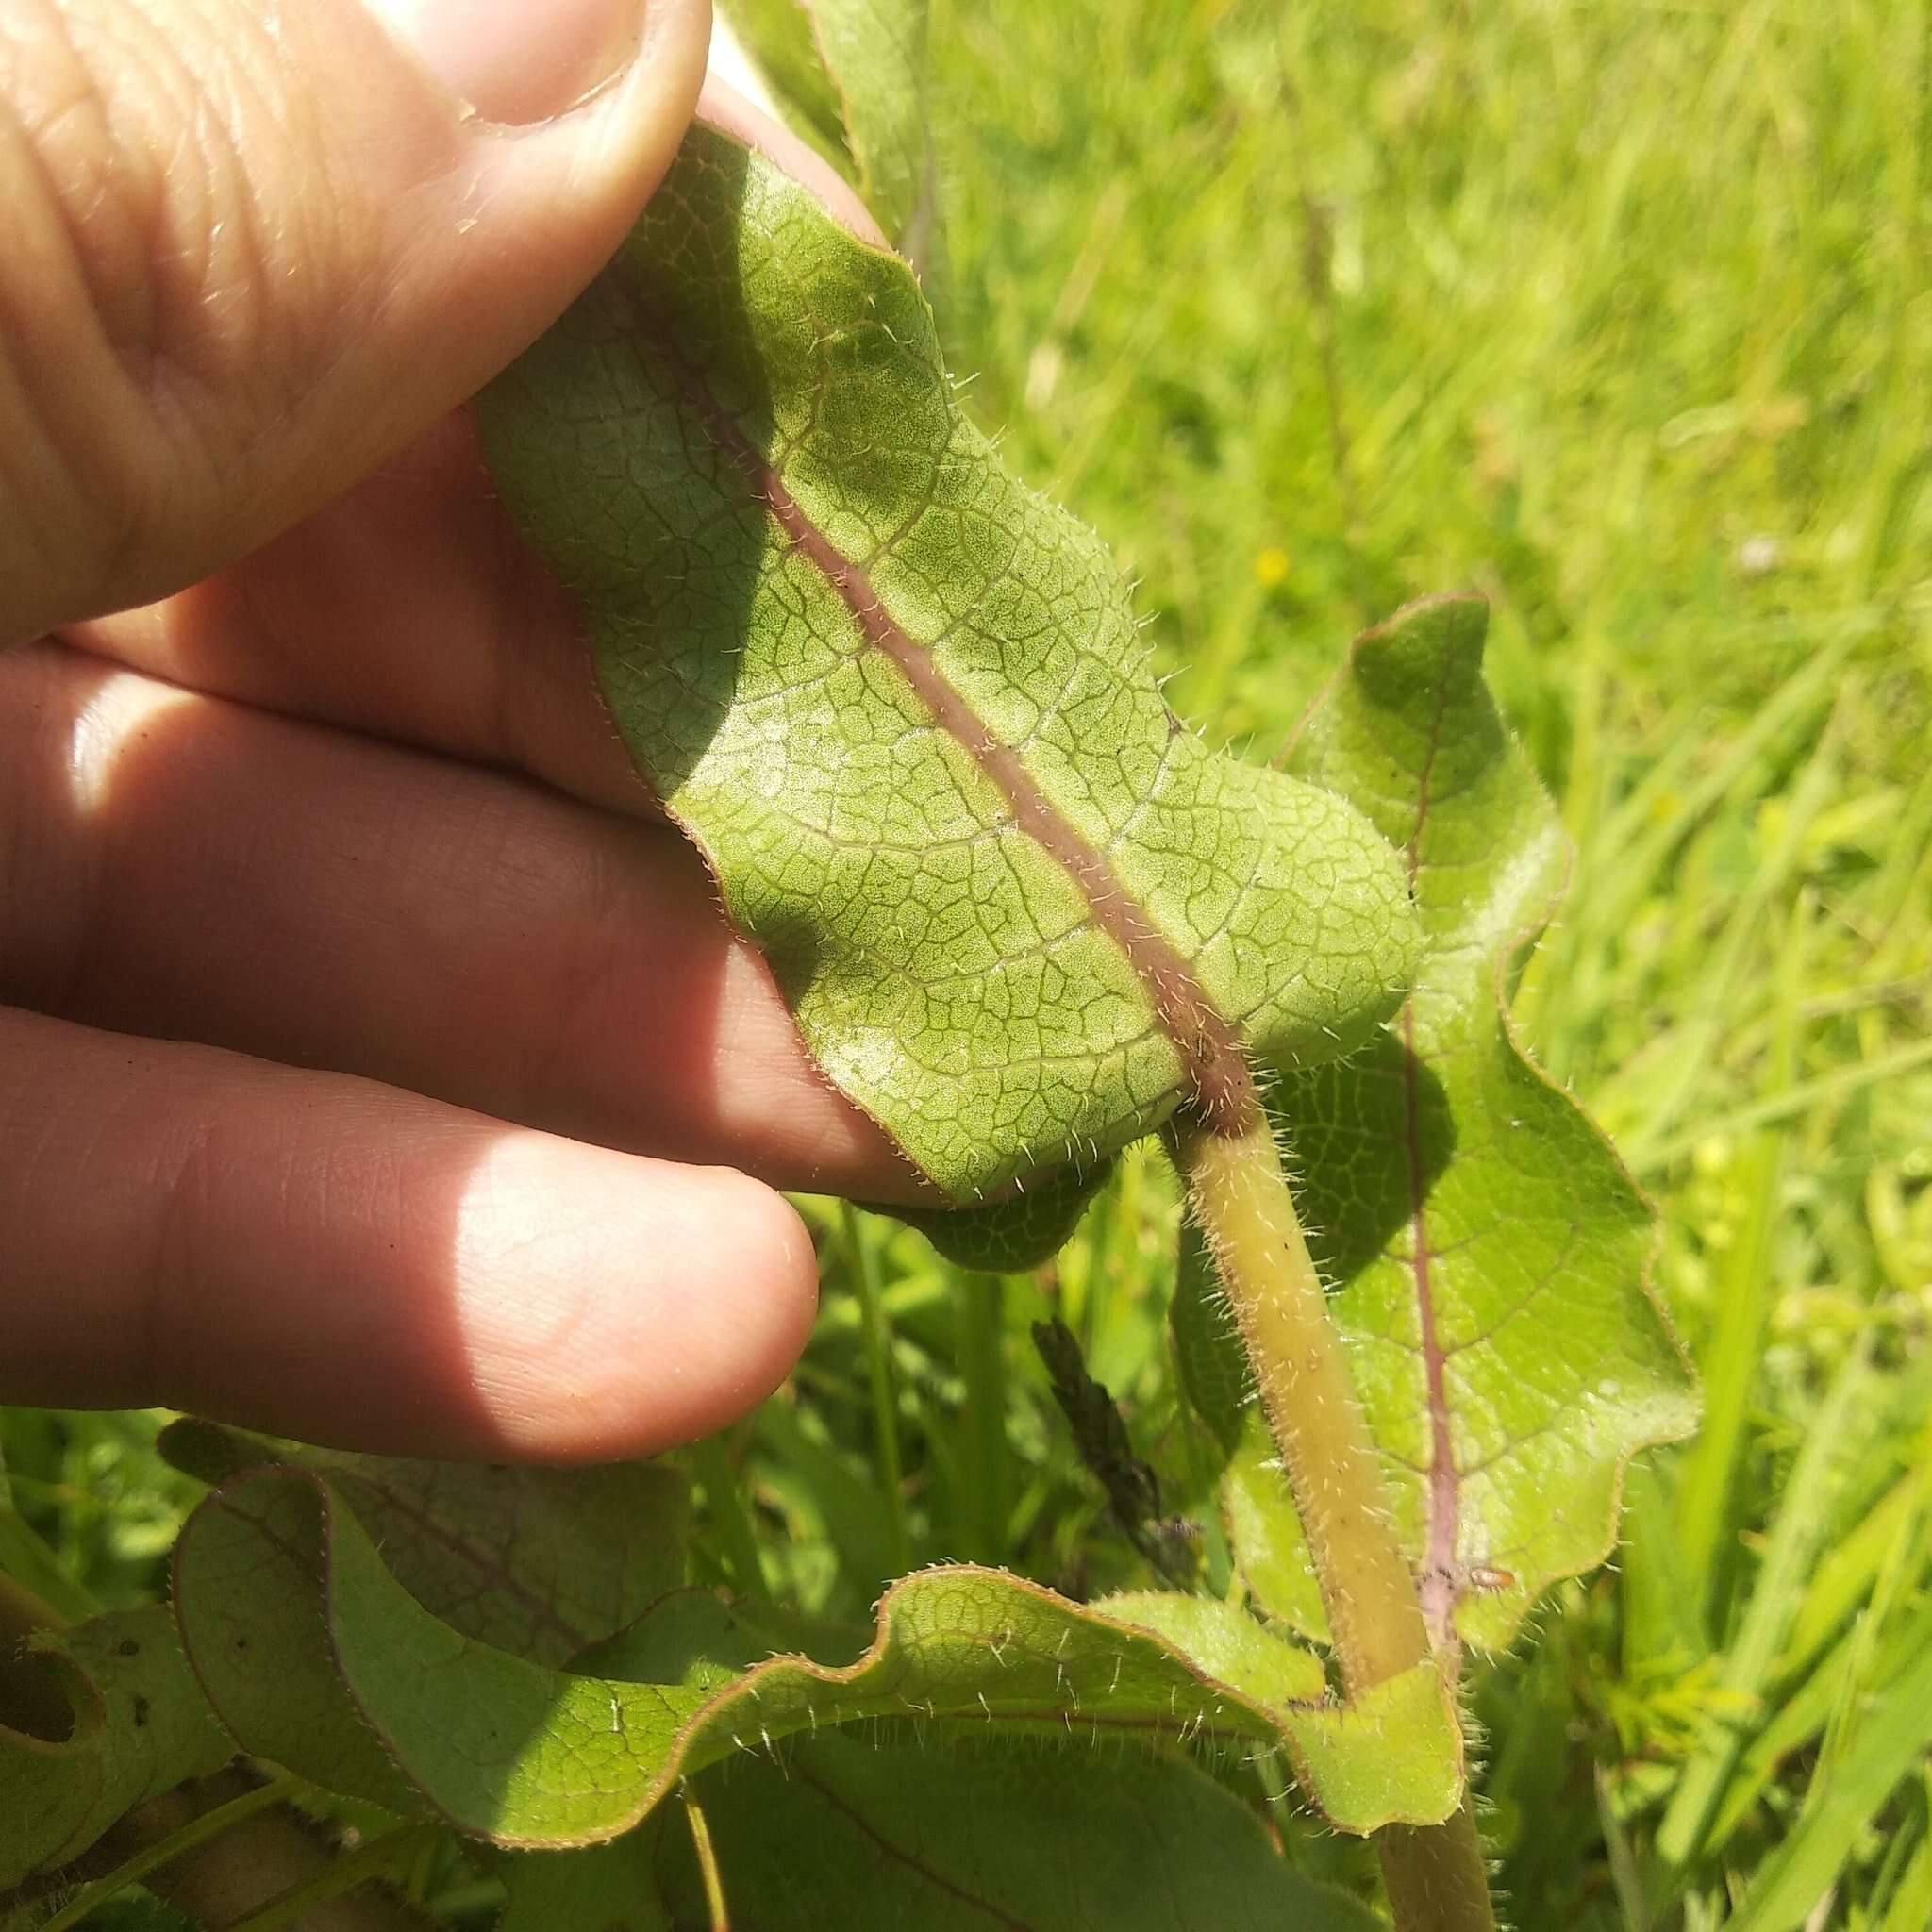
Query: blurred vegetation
(1620, 313)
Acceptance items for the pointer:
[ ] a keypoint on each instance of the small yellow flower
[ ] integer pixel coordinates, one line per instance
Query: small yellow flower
(1270, 568)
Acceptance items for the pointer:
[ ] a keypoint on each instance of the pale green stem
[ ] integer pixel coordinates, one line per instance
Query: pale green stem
(1436, 1875)
(25, 1557)
(715, 1908)
(981, 1302)
(711, 1461)
(1098, 1273)
(876, 1334)
(1239, 1194)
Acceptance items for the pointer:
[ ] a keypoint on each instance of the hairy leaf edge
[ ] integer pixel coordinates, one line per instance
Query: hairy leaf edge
(1264, 1727)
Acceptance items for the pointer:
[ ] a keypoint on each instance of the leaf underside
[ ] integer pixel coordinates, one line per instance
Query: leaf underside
(776, 37)
(900, 703)
(544, 1562)
(141, 1727)
(852, 77)
(1489, 1254)
(314, 1655)
(1017, 1230)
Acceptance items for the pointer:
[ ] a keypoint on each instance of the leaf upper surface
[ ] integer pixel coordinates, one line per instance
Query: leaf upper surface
(1000, 1835)
(141, 1727)
(1226, 1642)
(610, 1888)
(900, 702)
(315, 1656)
(1488, 1250)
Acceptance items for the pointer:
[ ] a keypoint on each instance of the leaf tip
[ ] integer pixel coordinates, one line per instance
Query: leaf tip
(1445, 631)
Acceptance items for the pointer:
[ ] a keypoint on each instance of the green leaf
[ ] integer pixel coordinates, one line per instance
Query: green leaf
(1266, 1534)
(251, 1568)
(1209, 1360)
(776, 38)
(1225, 1643)
(997, 1833)
(141, 1727)
(855, 71)
(1393, 1755)
(1488, 1251)
(609, 1888)
(316, 1656)
(901, 704)
(1400, 1736)
(1020, 1230)
(539, 1562)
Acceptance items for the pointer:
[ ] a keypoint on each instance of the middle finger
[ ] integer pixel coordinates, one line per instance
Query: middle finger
(409, 609)
(186, 867)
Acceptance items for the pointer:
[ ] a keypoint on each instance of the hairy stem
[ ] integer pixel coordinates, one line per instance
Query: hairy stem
(1239, 1193)
(1436, 1876)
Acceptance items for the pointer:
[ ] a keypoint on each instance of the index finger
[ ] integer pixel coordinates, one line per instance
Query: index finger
(410, 609)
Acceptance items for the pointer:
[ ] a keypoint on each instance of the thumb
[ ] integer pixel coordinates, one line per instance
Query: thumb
(248, 250)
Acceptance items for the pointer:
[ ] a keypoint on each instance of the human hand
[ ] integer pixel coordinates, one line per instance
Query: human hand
(318, 876)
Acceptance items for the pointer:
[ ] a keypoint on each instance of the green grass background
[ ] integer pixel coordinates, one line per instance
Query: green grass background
(1620, 313)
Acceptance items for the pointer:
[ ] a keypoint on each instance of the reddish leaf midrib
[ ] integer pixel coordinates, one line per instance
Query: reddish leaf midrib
(1219, 1083)
(1442, 1578)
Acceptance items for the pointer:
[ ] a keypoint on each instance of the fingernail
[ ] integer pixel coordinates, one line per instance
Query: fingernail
(517, 61)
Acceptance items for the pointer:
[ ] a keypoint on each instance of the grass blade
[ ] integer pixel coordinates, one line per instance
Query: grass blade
(1890, 1740)
(1788, 1556)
